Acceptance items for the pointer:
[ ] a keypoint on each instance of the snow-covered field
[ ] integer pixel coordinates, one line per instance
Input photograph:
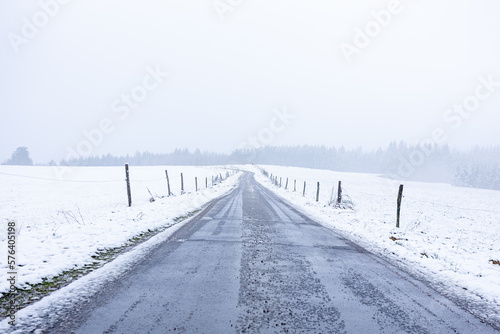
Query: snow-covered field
(448, 235)
(61, 223)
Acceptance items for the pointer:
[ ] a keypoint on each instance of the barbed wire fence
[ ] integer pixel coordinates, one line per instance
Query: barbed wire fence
(340, 199)
(209, 181)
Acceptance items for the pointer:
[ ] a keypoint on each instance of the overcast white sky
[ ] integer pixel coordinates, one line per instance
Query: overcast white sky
(227, 76)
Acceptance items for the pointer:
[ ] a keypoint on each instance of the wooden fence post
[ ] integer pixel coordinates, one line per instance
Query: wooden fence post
(129, 193)
(304, 192)
(206, 182)
(182, 184)
(317, 194)
(294, 185)
(286, 184)
(280, 182)
(196, 184)
(168, 183)
(339, 194)
(400, 197)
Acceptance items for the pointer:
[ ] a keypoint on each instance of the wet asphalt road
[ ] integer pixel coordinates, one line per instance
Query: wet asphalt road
(252, 264)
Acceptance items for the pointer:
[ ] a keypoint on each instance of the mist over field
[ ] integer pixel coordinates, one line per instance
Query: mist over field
(478, 167)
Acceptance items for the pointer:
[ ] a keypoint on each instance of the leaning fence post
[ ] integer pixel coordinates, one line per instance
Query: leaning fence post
(286, 184)
(400, 197)
(168, 183)
(317, 194)
(129, 193)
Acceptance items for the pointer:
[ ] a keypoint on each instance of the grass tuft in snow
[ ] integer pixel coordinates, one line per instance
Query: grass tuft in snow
(189, 215)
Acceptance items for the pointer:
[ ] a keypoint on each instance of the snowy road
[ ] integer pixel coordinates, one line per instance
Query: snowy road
(250, 263)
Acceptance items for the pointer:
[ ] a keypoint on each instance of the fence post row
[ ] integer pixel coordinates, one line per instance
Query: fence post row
(218, 178)
(129, 193)
(274, 179)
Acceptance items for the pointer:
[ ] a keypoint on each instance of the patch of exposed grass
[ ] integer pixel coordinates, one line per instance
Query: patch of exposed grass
(396, 239)
(189, 215)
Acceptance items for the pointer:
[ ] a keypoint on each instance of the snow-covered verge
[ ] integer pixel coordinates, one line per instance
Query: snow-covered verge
(40, 317)
(448, 235)
(62, 223)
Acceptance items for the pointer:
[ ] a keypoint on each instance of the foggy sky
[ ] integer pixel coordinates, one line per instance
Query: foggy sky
(88, 77)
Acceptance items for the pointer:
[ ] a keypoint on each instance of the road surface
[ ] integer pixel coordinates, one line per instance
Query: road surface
(250, 263)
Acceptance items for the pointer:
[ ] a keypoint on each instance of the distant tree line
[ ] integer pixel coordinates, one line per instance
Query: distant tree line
(478, 167)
